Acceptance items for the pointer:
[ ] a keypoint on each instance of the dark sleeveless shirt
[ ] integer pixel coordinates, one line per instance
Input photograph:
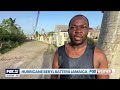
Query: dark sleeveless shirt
(83, 62)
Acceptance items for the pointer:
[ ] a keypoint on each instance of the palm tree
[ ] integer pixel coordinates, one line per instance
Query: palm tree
(97, 28)
(109, 40)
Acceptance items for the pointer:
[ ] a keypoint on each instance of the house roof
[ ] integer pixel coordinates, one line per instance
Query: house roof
(61, 28)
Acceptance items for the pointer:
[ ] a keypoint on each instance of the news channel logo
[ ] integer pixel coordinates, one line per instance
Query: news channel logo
(12, 73)
(92, 71)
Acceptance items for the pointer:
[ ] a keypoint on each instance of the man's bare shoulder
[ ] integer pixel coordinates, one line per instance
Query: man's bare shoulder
(100, 56)
(100, 62)
(99, 52)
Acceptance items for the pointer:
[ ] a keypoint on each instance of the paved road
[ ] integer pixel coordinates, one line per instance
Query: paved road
(30, 55)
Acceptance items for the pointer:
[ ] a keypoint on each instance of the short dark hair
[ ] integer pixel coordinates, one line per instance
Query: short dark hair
(79, 15)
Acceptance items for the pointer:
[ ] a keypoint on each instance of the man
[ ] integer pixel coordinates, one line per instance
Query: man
(78, 54)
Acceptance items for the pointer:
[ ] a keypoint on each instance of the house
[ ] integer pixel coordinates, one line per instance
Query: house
(93, 34)
(30, 37)
(43, 37)
(50, 37)
(60, 37)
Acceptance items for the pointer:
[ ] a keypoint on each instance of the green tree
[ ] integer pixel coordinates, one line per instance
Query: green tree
(36, 33)
(97, 28)
(11, 34)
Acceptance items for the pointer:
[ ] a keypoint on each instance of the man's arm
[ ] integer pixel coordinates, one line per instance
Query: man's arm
(55, 65)
(102, 62)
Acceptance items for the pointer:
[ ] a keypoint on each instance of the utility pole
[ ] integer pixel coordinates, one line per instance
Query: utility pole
(34, 28)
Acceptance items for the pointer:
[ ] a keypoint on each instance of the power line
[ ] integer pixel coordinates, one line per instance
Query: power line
(36, 21)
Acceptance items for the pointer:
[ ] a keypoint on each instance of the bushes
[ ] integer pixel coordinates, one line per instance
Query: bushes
(7, 46)
(13, 42)
(11, 35)
(92, 41)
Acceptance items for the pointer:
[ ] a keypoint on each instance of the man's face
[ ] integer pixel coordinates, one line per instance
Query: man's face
(78, 30)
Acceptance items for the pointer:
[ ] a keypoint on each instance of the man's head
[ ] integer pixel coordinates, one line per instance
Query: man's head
(78, 29)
